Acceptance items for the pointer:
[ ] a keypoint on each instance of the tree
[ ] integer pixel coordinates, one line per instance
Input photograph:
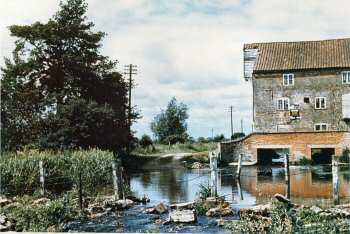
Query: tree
(170, 125)
(58, 90)
(145, 141)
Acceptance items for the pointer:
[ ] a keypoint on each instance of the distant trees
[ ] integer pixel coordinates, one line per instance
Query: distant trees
(145, 141)
(59, 91)
(170, 125)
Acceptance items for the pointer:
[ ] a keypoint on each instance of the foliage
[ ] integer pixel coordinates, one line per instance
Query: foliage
(237, 135)
(345, 157)
(170, 125)
(283, 219)
(41, 217)
(204, 191)
(305, 161)
(145, 141)
(20, 171)
(59, 90)
(219, 138)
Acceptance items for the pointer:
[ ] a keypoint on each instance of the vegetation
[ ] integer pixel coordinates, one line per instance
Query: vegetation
(305, 161)
(145, 141)
(20, 171)
(176, 148)
(237, 135)
(58, 91)
(283, 219)
(170, 126)
(345, 157)
(48, 216)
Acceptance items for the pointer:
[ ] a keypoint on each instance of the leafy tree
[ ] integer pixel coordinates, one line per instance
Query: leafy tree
(219, 138)
(170, 125)
(59, 90)
(237, 135)
(145, 141)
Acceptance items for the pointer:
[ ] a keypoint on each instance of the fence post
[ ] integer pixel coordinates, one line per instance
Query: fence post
(213, 174)
(240, 193)
(42, 177)
(238, 173)
(122, 182)
(80, 191)
(115, 181)
(287, 175)
(335, 180)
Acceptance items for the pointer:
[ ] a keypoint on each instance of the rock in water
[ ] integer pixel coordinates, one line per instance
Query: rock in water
(161, 208)
(316, 209)
(183, 216)
(182, 206)
(259, 210)
(219, 211)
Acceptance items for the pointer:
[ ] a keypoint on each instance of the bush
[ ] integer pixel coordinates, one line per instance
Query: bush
(237, 135)
(145, 141)
(20, 171)
(345, 157)
(305, 161)
(39, 218)
(173, 139)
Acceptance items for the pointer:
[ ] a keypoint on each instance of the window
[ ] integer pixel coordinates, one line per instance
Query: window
(306, 100)
(320, 103)
(283, 104)
(288, 79)
(321, 127)
(345, 77)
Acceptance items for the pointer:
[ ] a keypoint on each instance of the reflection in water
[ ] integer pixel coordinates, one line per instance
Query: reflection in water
(305, 185)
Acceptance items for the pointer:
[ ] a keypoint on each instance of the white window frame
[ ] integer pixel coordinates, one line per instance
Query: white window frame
(283, 101)
(321, 107)
(288, 79)
(345, 77)
(321, 125)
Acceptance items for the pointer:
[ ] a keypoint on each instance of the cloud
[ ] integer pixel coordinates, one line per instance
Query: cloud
(192, 49)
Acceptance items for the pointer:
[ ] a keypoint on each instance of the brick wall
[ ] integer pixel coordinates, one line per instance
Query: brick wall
(298, 143)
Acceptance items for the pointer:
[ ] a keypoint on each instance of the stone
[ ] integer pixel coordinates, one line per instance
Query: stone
(3, 228)
(41, 201)
(4, 201)
(161, 208)
(95, 208)
(283, 199)
(259, 210)
(2, 219)
(219, 211)
(186, 205)
(197, 165)
(316, 209)
(213, 201)
(124, 204)
(183, 216)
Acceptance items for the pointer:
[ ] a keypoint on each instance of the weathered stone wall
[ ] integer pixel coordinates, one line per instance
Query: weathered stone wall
(298, 143)
(268, 88)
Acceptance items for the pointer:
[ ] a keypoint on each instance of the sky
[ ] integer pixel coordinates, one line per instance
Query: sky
(191, 49)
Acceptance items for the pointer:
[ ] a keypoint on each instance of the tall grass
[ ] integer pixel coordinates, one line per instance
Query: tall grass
(176, 148)
(20, 170)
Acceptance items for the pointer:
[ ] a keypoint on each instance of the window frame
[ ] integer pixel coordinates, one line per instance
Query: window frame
(325, 103)
(347, 78)
(288, 76)
(283, 99)
(321, 127)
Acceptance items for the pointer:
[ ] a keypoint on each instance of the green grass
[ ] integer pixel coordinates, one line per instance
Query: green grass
(176, 148)
(20, 170)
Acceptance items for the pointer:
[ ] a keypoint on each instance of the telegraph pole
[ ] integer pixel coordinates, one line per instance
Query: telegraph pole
(241, 125)
(130, 70)
(231, 107)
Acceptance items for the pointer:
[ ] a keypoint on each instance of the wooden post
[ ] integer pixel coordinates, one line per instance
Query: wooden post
(115, 181)
(80, 192)
(238, 173)
(335, 180)
(122, 182)
(213, 174)
(42, 177)
(240, 193)
(286, 167)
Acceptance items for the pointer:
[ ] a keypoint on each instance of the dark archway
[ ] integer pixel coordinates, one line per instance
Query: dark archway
(322, 155)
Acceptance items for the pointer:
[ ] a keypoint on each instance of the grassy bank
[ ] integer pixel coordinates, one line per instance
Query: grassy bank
(159, 149)
(285, 219)
(20, 170)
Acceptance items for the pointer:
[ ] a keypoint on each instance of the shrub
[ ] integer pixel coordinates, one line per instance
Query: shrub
(20, 171)
(305, 161)
(345, 157)
(39, 218)
(145, 141)
(173, 139)
(204, 191)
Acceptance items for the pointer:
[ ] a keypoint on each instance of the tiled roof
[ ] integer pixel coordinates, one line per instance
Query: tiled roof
(279, 56)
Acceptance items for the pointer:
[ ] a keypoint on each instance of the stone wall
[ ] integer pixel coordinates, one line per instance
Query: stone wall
(267, 88)
(299, 144)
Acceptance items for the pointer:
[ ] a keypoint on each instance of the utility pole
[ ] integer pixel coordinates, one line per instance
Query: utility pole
(212, 133)
(130, 70)
(231, 107)
(241, 125)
